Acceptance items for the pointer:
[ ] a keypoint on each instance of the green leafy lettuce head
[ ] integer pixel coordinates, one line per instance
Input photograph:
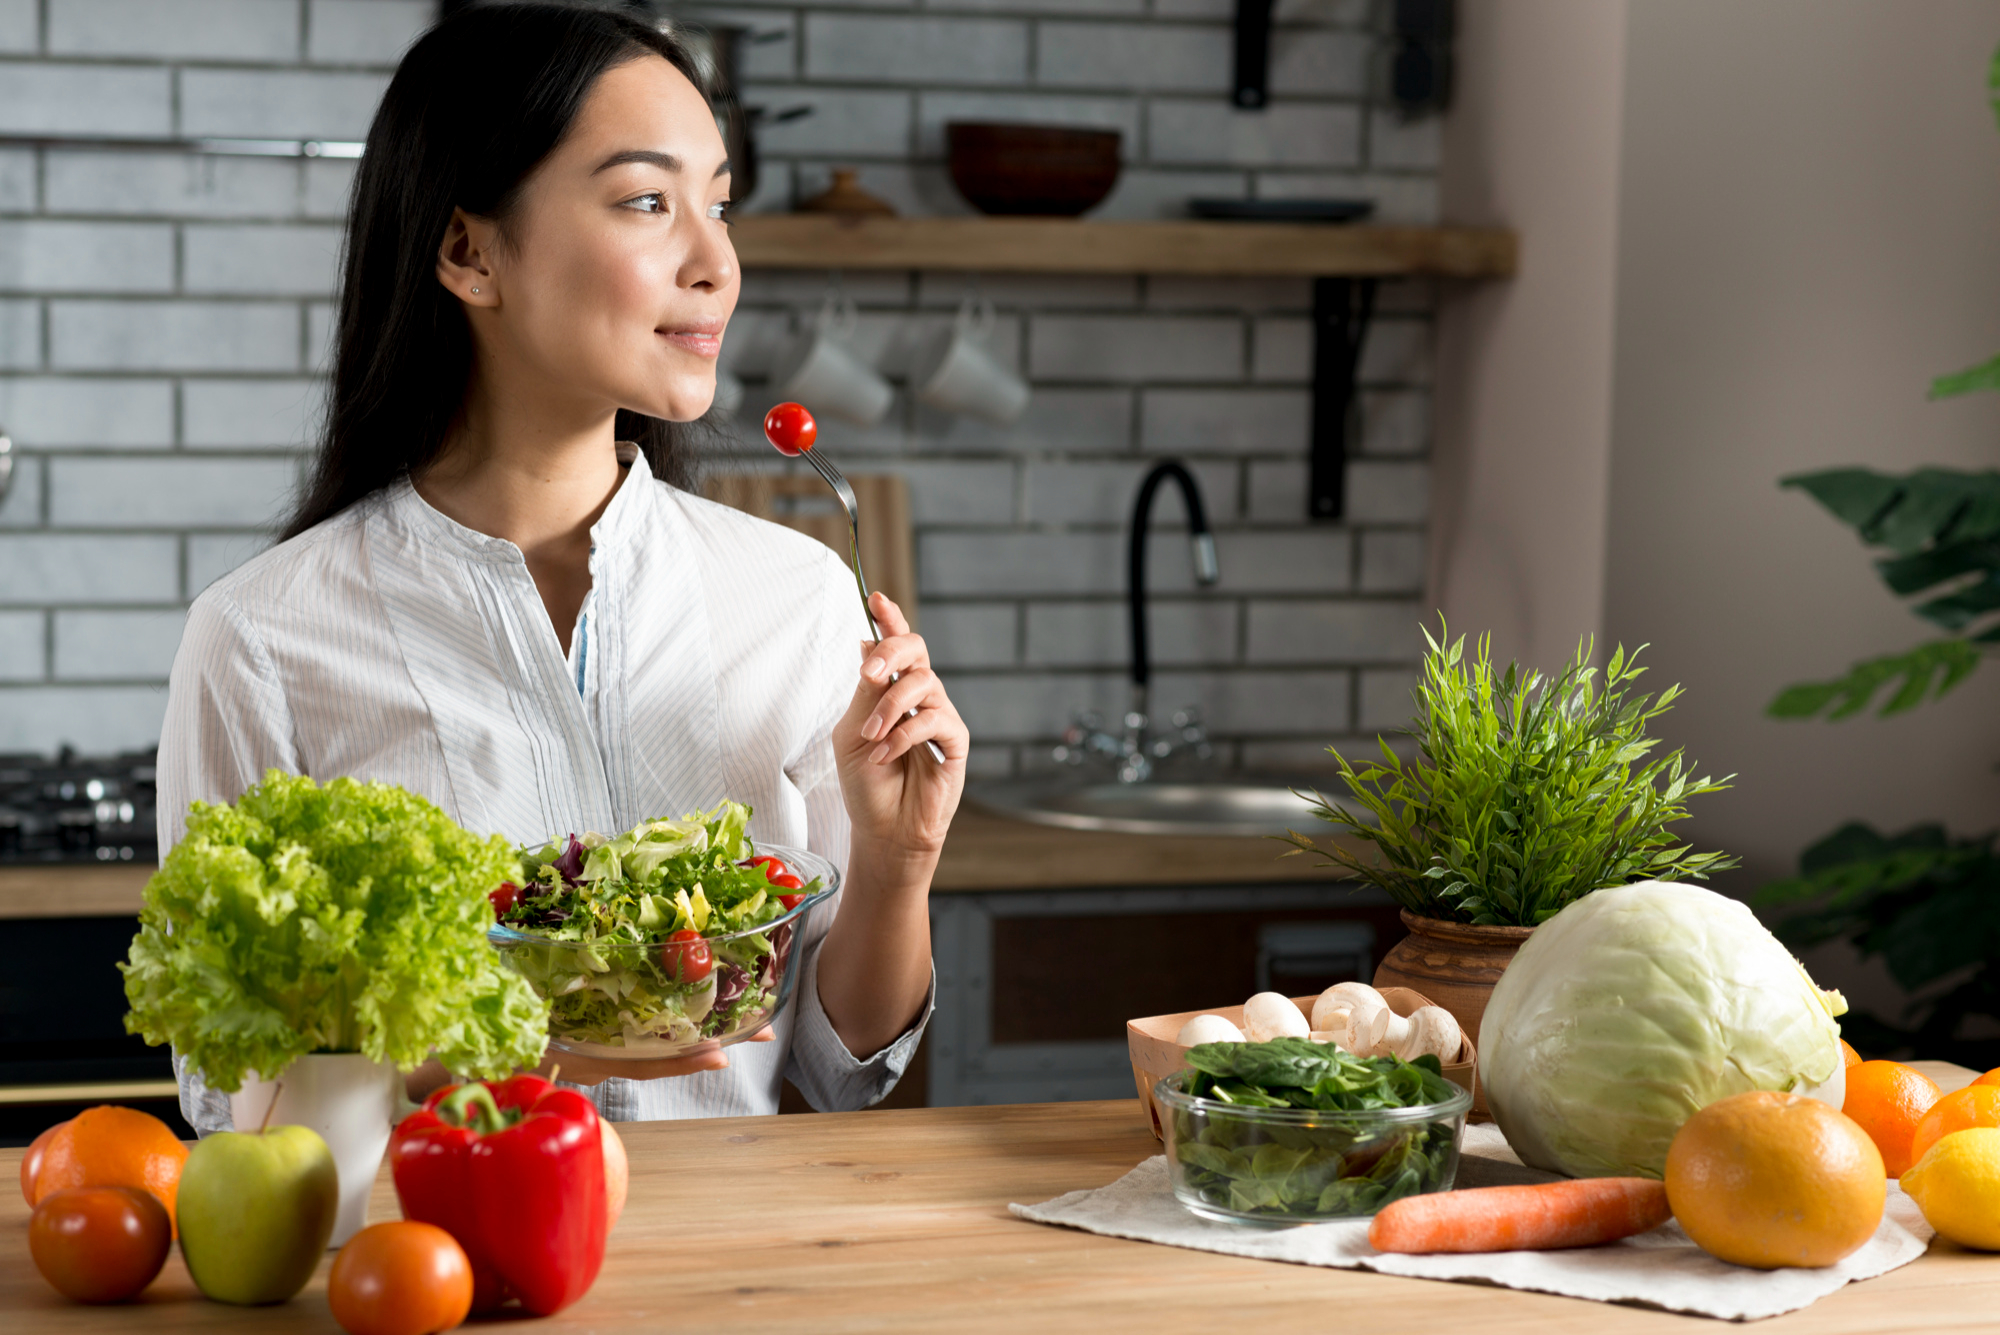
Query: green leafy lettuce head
(345, 918)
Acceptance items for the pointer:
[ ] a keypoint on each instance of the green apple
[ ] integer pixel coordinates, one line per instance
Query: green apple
(256, 1209)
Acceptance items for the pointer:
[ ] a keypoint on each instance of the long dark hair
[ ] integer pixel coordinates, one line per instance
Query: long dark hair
(476, 104)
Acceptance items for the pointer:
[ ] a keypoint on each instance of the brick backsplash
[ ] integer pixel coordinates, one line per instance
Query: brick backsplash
(164, 319)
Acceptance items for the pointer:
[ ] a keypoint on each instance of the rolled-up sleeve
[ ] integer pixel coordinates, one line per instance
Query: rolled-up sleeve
(832, 1078)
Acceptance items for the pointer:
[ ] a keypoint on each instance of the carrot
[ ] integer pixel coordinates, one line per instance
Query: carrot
(1550, 1215)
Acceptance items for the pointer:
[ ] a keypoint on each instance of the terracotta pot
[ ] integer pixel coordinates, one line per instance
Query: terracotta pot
(1455, 964)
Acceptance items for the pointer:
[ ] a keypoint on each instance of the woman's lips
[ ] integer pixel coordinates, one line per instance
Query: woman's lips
(701, 342)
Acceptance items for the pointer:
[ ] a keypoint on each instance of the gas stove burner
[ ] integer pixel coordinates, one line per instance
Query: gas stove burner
(77, 809)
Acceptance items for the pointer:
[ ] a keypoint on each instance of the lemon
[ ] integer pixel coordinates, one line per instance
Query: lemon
(1957, 1186)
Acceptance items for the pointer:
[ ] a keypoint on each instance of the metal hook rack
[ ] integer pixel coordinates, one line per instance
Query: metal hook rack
(240, 148)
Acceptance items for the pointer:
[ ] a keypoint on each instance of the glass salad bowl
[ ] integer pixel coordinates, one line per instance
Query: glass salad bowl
(1274, 1166)
(645, 1001)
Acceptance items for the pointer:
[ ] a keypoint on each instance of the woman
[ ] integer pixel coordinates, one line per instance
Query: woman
(487, 598)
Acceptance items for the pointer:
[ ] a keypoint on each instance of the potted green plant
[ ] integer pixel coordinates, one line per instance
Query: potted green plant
(322, 938)
(1525, 793)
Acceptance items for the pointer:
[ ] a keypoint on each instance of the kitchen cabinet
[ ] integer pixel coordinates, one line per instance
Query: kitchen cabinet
(898, 1221)
(1047, 940)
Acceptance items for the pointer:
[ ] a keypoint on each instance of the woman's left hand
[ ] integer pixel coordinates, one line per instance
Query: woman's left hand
(896, 794)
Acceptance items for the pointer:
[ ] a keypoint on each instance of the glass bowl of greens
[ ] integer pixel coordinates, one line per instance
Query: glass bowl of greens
(1291, 1131)
(674, 937)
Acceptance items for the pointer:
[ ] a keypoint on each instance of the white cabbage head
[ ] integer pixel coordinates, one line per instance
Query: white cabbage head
(1634, 1008)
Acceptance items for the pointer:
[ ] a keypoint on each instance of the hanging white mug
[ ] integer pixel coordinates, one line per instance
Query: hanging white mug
(818, 369)
(959, 375)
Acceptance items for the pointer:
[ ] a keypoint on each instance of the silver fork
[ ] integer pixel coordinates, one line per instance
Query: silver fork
(845, 494)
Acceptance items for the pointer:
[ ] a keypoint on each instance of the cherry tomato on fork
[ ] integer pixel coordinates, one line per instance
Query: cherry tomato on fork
(791, 429)
(686, 956)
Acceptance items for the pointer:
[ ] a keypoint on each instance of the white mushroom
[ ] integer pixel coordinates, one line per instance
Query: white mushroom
(1430, 1030)
(1208, 1029)
(1354, 1015)
(1359, 1019)
(1271, 1015)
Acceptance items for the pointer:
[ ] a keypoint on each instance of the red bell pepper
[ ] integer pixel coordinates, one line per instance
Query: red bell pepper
(513, 1169)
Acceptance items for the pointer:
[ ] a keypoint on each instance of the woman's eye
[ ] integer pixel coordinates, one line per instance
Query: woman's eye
(648, 203)
(719, 212)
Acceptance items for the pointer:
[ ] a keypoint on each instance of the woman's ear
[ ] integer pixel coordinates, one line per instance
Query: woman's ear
(464, 263)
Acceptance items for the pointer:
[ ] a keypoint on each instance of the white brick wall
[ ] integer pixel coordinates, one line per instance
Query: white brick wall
(170, 29)
(164, 320)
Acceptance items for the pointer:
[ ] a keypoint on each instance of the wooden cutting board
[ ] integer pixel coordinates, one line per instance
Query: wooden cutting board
(804, 503)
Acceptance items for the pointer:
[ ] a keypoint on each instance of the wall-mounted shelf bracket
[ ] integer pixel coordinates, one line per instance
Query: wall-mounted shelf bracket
(1341, 309)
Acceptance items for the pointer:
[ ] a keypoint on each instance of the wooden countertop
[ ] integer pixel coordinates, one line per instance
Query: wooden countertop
(989, 852)
(73, 890)
(898, 1221)
(984, 852)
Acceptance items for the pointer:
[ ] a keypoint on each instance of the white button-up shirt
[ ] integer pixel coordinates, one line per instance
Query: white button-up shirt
(715, 653)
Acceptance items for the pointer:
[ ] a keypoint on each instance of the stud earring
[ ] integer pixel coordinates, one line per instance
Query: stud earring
(475, 291)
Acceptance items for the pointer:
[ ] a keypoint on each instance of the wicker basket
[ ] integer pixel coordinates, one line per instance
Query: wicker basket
(1155, 1055)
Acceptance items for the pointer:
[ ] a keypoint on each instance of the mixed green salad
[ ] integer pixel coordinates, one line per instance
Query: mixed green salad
(1343, 1164)
(656, 939)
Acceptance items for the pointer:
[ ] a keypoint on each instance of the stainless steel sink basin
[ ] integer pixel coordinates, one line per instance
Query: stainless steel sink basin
(1245, 807)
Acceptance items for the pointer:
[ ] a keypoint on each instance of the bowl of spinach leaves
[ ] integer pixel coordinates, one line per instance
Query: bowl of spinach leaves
(1291, 1131)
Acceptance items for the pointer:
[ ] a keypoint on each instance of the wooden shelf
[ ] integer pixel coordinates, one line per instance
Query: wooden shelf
(1067, 245)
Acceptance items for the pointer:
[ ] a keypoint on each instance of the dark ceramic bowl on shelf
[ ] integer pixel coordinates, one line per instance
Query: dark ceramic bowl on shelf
(1032, 169)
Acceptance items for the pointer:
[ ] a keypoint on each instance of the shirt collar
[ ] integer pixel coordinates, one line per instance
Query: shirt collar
(624, 515)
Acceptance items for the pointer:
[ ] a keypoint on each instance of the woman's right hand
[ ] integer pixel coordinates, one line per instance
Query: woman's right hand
(581, 1070)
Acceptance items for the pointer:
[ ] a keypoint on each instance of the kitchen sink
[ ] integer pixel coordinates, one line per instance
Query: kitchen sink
(1241, 807)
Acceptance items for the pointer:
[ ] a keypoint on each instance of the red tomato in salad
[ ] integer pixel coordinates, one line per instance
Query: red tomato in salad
(791, 901)
(686, 956)
(772, 866)
(791, 429)
(504, 898)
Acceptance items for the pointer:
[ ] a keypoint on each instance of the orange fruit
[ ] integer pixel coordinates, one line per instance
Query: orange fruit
(1848, 1055)
(1766, 1180)
(109, 1146)
(1960, 1110)
(31, 1161)
(1992, 1077)
(1888, 1099)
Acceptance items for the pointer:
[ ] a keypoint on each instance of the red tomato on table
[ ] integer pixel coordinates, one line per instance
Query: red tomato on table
(100, 1244)
(400, 1278)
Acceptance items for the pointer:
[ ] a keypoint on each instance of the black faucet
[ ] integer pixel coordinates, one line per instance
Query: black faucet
(1206, 571)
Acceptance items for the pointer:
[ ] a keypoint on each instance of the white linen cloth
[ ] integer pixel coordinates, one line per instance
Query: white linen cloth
(392, 643)
(1660, 1268)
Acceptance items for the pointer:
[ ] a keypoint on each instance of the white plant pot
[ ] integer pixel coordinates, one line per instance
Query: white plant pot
(346, 1097)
